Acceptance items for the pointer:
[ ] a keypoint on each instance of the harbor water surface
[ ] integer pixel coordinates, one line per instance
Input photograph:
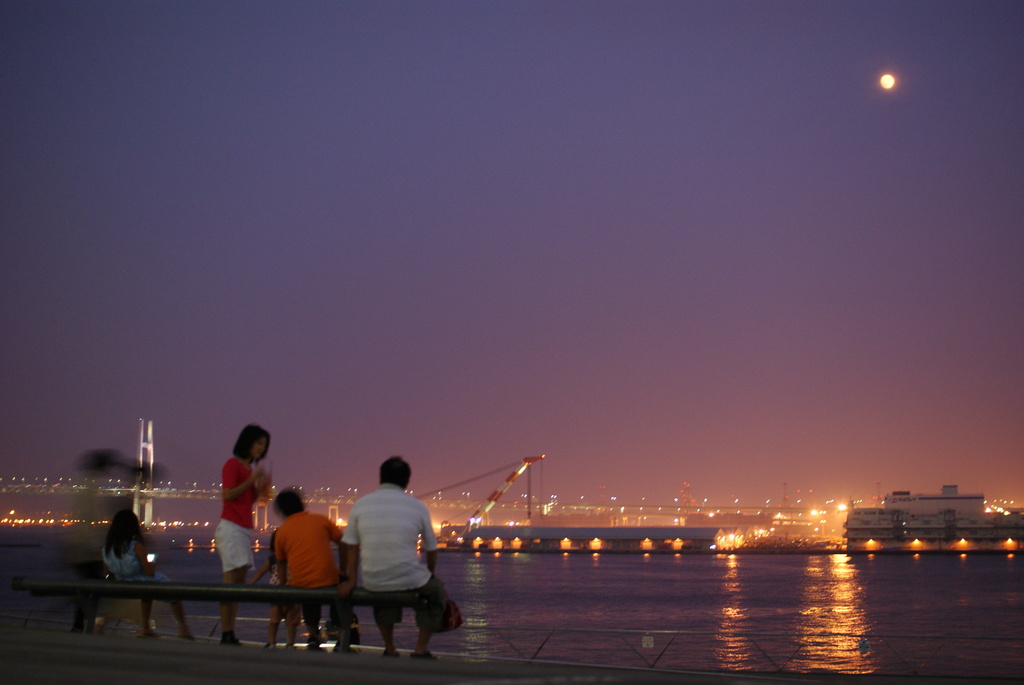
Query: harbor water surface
(940, 615)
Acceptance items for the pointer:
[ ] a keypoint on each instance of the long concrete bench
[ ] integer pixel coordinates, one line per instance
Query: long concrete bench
(89, 593)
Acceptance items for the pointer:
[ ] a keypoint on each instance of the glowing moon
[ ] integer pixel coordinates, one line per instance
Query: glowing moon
(887, 81)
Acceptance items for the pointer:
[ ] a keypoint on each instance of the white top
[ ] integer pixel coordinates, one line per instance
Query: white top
(388, 525)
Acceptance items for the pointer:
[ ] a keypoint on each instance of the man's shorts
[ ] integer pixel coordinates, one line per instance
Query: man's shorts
(234, 545)
(429, 613)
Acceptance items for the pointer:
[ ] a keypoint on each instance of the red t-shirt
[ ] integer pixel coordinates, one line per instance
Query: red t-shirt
(238, 510)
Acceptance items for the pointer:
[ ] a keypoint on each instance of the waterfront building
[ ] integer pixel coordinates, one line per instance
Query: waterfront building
(948, 521)
(605, 539)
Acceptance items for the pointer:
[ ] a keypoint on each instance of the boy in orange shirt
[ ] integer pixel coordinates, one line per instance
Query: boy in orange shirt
(302, 546)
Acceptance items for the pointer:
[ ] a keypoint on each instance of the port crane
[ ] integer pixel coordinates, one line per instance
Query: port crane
(478, 515)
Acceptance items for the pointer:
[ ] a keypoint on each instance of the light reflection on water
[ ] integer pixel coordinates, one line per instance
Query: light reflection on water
(730, 649)
(833, 604)
(751, 612)
(797, 633)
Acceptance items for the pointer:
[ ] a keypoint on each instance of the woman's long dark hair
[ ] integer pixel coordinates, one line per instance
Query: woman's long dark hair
(247, 437)
(123, 529)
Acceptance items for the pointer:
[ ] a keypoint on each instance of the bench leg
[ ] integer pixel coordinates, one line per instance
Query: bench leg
(90, 605)
(343, 609)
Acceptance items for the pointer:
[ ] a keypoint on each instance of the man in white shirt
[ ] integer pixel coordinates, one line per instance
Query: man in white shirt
(384, 532)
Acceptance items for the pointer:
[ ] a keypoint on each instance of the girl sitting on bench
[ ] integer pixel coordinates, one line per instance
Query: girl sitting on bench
(125, 557)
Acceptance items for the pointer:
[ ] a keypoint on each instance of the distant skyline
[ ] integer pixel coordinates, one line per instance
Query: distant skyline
(659, 242)
(482, 487)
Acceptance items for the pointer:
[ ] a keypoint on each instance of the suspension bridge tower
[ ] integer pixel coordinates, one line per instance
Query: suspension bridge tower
(142, 501)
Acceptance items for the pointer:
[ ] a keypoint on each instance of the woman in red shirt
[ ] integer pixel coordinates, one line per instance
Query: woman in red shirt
(243, 481)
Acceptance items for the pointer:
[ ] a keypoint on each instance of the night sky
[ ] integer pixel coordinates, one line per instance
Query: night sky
(660, 242)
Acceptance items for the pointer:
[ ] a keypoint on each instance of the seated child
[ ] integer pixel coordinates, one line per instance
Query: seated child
(124, 556)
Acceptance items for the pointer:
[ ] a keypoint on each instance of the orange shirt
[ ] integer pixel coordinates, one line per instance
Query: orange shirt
(303, 541)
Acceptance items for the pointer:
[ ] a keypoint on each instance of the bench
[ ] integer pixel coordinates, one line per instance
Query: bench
(89, 592)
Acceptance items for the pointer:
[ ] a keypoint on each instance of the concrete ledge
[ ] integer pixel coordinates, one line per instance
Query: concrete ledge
(43, 657)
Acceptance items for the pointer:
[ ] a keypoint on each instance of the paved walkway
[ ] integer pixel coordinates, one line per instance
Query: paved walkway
(46, 657)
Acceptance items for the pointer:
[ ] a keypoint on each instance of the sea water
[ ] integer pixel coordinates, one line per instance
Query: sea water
(926, 614)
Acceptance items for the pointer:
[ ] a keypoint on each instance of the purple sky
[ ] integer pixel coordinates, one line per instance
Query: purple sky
(657, 241)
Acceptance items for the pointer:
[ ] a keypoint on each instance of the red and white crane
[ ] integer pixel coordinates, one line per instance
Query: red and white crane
(478, 515)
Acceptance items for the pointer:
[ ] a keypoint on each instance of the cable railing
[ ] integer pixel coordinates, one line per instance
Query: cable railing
(871, 653)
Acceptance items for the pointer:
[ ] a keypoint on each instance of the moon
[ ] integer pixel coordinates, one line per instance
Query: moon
(887, 81)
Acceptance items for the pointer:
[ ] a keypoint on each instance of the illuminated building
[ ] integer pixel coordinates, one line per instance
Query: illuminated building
(948, 522)
(605, 539)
